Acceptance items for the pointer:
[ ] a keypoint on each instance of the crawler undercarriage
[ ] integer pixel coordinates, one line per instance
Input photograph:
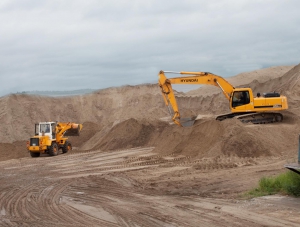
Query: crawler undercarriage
(253, 117)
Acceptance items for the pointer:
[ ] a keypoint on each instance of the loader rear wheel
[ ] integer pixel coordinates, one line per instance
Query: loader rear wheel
(53, 149)
(35, 154)
(67, 147)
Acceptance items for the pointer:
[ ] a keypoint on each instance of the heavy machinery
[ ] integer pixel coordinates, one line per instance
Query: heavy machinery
(51, 136)
(242, 103)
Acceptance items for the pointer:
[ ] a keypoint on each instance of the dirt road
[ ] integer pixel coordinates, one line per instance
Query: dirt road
(137, 187)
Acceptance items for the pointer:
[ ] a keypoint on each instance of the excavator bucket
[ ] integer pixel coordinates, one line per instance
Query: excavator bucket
(74, 130)
(188, 121)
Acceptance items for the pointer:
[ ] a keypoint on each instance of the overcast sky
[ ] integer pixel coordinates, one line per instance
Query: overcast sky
(79, 44)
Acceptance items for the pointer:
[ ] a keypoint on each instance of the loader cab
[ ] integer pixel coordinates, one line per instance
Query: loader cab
(45, 129)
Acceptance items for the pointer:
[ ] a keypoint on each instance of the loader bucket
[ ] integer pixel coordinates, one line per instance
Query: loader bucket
(188, 121)
(74, 130)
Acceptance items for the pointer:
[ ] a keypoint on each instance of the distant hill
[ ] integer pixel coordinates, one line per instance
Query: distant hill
(59, 93)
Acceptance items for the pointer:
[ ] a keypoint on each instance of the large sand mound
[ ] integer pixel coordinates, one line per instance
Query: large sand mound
(211, 138)
(131, 133)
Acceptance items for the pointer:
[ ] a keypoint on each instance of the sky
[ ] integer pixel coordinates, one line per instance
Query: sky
(56, 45)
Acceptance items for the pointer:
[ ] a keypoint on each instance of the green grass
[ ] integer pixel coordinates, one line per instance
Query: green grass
(285, 183)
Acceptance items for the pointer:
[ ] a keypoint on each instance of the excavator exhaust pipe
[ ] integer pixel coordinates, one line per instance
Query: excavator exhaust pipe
(295, 167)
(74, 130)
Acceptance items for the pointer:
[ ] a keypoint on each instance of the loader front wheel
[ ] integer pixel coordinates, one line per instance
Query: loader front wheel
(53, 149)
(35, 154)
(67, 147)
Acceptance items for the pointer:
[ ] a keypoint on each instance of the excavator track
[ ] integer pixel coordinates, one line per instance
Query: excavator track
(261, 118)
(254, 118)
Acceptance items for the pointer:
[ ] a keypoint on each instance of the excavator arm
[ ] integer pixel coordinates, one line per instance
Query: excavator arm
(192, 78)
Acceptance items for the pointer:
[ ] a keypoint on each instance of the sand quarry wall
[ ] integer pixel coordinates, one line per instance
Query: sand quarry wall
(19, 112)
(131, 116)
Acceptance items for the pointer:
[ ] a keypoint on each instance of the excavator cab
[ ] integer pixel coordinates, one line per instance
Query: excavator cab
(240, 98)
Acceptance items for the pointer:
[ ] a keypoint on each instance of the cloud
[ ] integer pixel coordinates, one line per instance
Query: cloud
(92, 44)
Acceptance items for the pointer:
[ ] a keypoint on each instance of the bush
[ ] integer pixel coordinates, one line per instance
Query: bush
(293, 185)
(285, 183)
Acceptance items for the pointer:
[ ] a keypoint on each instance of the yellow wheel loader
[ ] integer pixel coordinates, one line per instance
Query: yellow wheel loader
(50, 137)
(242, 103)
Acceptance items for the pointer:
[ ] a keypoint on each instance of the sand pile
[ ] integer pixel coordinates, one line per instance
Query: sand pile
(13, 150)
(131, 133)
(88, 131)
(210, 138)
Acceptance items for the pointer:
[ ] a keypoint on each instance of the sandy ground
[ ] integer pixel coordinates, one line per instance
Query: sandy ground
(136, 187)
(131, 167)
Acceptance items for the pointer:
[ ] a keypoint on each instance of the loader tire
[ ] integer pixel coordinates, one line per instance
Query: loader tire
(67, 147)
(53, 149)
(35, 154)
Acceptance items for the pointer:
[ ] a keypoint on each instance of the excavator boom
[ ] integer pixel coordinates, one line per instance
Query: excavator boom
(199, 78)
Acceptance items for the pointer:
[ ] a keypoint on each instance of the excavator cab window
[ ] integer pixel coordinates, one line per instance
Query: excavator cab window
(240, 98)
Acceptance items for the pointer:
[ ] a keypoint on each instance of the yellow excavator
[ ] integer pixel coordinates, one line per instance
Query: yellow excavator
(51, 136)
(242, 103)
